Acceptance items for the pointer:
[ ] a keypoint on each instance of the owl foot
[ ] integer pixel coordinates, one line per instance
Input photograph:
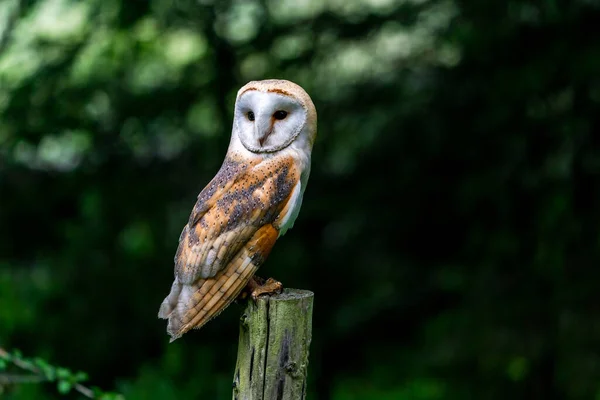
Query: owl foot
(257, 286)
(270, 287)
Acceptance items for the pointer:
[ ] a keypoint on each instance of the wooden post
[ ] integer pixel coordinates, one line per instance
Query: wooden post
(275, 335)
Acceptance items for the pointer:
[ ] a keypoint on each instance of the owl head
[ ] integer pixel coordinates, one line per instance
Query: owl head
(272, 115)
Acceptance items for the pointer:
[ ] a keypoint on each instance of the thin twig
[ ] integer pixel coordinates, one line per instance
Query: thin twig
(9, 379)
(87, 392)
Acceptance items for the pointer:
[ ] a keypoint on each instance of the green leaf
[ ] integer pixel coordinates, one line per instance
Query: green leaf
(63, 373)
(41, 363)
(48, 370)
(50, 373)
(64, 387)
(80, 376)
(2, 364)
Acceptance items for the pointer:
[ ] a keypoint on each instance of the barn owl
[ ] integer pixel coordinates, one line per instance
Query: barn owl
(254, 198)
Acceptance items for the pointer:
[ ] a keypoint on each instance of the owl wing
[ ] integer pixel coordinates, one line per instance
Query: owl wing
(231, 231)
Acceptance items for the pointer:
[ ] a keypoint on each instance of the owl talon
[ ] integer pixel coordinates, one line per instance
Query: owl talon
(270, 287)
(257, 286)
(251, 286)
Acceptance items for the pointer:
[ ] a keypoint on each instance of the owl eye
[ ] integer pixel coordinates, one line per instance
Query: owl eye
(280, 114)
(250, 115)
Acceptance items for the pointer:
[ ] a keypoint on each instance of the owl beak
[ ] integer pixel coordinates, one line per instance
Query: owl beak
(262, 140)
(266, 129)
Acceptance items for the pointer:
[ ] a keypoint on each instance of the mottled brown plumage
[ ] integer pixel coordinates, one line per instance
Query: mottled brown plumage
(252, 200)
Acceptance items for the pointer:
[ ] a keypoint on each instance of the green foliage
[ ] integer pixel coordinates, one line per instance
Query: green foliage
(449, 229)
(39, 370)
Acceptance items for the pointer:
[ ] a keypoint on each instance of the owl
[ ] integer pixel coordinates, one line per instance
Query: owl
(253, 200)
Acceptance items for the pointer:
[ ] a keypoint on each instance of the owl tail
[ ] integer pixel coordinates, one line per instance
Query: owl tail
(192, 306)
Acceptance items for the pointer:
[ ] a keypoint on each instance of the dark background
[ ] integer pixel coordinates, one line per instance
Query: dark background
(450, 225)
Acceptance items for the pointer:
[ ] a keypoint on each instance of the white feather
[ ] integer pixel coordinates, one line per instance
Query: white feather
(287, 221)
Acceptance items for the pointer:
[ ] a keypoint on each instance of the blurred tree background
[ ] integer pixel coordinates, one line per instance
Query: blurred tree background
(449, 228)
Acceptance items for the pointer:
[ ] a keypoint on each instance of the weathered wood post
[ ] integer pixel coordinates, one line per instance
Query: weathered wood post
(275, 335)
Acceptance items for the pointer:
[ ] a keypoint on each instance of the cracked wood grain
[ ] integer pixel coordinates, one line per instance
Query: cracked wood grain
(275, 336)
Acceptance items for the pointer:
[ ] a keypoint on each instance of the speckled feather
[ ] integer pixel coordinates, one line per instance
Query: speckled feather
(231, 231)
(240, 199)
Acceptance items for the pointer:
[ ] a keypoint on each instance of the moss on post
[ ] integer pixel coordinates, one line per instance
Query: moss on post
(275, 335)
